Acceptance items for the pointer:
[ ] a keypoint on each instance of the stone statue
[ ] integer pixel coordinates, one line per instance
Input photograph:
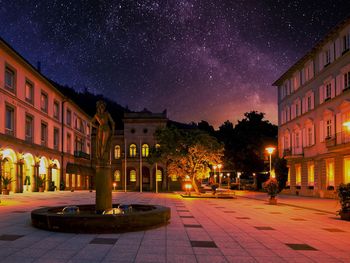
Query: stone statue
(105, 129)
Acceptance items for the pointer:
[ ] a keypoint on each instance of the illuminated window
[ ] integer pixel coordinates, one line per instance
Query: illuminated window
(29, 92)
(132, 176)
(117, 176)
(174, 178)
(132, 150)
(347, 170)
(67, 180)
(288, 178)
(159, 175)
(298, 175)
(73, 180)
(311, 173)
(330, 172)
(44, 102)
(116, 152)
(145, 150)
(79, 180)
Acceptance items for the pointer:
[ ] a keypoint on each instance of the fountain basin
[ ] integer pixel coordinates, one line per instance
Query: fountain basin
(87, 221)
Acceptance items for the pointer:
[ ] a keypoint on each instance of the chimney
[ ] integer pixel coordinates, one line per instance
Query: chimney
(38, 66)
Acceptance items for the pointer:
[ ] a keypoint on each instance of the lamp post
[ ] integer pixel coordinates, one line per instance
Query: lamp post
(214, 167)
(188, 189)
(239, 180)
(270, 151)
(228, 180)
(114, 185)
(220, 175)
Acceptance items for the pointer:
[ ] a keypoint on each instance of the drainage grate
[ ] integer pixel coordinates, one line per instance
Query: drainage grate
(203, 244)
(333, 230)
(104, 241)
(193, 226)
(10, 237)
(264, 228)
(301, 247)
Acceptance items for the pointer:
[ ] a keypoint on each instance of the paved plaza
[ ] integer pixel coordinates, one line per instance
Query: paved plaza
(245, 229)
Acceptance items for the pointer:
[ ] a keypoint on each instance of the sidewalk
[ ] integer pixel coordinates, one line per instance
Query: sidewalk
(312, 203)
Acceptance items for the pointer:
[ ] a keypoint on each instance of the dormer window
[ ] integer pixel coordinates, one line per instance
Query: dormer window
(327, 57)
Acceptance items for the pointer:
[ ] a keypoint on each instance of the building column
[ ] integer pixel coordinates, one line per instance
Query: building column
(49, 178)
(19, 184)
(36, 175)
(1, 156)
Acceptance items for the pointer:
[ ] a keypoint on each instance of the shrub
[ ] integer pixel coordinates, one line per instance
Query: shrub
(271, 187)
(344, 197)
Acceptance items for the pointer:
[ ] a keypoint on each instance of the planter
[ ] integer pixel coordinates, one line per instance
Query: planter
(5, 191)
(344, 215)
(41, 189)
(272, 200)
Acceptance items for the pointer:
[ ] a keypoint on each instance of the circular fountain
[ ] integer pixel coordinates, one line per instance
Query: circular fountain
(103, 216)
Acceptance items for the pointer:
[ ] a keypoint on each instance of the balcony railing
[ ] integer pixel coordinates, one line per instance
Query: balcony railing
(81, 154)
(293, 151)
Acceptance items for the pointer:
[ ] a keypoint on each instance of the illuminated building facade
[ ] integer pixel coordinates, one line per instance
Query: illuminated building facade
(314, 116)
(42, 132)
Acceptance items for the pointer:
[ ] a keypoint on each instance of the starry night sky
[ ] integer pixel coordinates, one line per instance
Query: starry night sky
(199, 59)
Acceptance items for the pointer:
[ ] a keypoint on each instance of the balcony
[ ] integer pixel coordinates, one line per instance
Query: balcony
(81, 154)
(330, 141)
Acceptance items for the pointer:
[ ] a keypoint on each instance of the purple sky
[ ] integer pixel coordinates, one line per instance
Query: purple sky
(201, 60)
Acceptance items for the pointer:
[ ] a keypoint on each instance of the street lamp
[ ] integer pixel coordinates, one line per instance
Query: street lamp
(270, 151)
(114, 185)
(220, 175)
(239, 180)
(188, 189)
(214, 167)
(347, 125)
(228, 180)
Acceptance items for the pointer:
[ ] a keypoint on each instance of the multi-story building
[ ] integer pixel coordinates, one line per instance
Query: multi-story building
(42, 132)
(130, 156)
(314, 116)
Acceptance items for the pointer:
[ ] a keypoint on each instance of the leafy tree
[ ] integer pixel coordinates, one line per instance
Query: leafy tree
(188, 153)
(281, 171)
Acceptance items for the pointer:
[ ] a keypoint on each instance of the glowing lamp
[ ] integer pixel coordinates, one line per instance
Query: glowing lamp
(347, 125)
(270, 150)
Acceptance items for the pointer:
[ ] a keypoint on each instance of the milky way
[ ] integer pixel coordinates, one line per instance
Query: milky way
(200, 60)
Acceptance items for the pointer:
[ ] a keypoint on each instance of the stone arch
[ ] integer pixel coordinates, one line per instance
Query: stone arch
(55, 173)
(9, 158)
(28, 172)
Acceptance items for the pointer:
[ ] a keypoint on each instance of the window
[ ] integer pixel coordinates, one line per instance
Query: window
(288, 178)
(347, 80)
(297, 140)
(44, 102)
(327, 57)
(298, 175)
(29, 126)
(145, 150)
(117, 176)
(311, 174)
(309, 103)
(132, 150)
(297, 109)
(73, 180)
(69, 117)
(330, 172)
(88, 148)
(10, 120)
(56, 138)
(132, 176)
(116, 152)
(56, 110)
(328, 91)
(69, 143)
(310, 135)
(347, 170)
(79, 180)
(159, 176)
(79, 144)
(43, 134)
(329, 128)
(10, 79)
(29, 92)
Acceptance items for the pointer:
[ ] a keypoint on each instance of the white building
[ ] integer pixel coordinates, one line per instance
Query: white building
(314, 116)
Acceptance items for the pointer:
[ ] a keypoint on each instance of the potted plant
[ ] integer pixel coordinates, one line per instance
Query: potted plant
(6, 180)
(41, 180)
(344, 199)
(271, 187)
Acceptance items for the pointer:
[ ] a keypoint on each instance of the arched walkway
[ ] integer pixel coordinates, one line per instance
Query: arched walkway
(55, 174)
(9, 159)
(28, 173)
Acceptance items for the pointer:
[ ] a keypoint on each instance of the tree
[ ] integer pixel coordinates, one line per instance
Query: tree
(188, 153)
(281, 171)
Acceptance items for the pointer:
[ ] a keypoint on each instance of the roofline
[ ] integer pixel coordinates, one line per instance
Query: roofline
(314, 50)
(39, 74)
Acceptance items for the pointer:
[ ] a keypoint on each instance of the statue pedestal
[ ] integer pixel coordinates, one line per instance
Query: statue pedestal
(103, 181)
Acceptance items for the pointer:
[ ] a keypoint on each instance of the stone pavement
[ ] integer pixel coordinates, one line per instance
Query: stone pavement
(201, 230)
